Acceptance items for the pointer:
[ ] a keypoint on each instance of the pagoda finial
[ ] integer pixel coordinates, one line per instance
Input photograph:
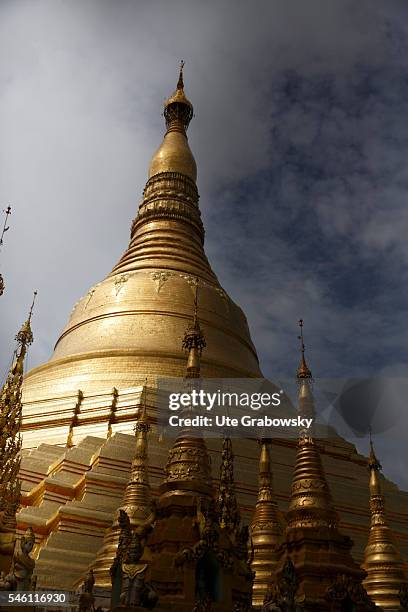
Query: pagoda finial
(180, 82)
(25, 335)
(303, 369)
(178, 110)
(382, 561)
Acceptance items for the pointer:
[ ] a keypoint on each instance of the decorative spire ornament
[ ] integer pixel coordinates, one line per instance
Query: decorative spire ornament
(382, 562)
(303, 370)
(10, 426)
(325, 575)
(305, 380)
(178, 110)
(266, 531)
(310, 502)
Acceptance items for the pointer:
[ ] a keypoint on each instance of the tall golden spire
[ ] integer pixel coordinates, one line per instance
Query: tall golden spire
(170, 202)
(310, 503)
(5, 228)
(137, 502)
(324, 574)
(382, 561)
(10, 425)
(227, 505)
(188, 465)
(266, 530)
(305, 379)
(303, 370)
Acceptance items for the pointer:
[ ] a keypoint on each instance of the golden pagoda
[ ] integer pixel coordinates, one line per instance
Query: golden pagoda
(316, 570)
(382, 560)
(127, 326)
(80, 407)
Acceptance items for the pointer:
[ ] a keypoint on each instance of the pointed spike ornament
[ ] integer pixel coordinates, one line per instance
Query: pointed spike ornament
(305, 381)
(5, 226)
(382, 560)
(266, 530)
(180, 82)
(303, 369)
(4, 230)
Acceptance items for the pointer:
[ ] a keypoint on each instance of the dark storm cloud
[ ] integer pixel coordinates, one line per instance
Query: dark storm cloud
(301, 141)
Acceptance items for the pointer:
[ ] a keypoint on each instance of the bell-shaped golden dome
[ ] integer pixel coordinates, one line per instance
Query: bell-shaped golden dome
(174, 155)
(130, 325)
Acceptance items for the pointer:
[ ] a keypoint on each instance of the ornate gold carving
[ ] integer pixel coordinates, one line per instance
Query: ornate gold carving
(120, 282)
(281, 597)
(89, 295)
(346, 589)
(227, 505)
(160, 277)
(178, 110)
(310, 503)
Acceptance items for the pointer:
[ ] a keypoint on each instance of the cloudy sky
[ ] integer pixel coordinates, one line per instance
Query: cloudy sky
(301, 140)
